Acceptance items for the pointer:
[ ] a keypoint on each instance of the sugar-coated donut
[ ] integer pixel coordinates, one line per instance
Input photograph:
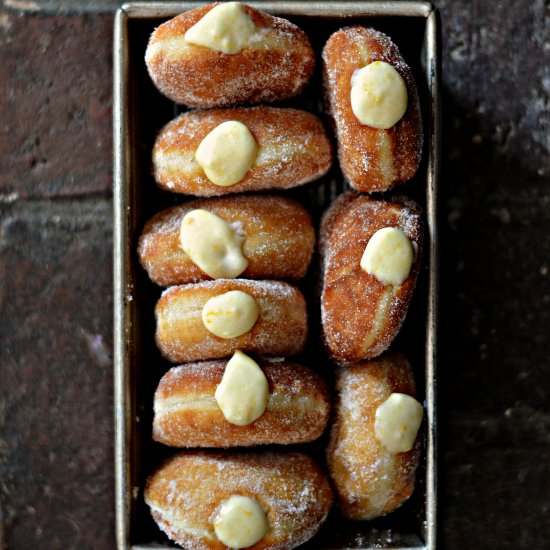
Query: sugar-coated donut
(293, 149)
(371, 159)
(370, 481)
(280, 329)
(277, 231)
(361, 315)
(187, 415)
(185, 496)
(276, 63)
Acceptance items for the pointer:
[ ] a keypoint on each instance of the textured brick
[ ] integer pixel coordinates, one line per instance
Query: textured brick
(55, 106)
(62, 6)
(56, 430)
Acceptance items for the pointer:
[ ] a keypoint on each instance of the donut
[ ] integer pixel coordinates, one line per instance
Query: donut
(363, 309)
(372, 99)
(375, 407)
(221, 151)
(276, 232)
(224, 54)
(187, 413)
(191, 318)
(194, 499)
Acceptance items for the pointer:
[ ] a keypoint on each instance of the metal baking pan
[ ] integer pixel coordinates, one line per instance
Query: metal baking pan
(139, 111)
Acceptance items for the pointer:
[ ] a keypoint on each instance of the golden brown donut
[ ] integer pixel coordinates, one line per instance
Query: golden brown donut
(361, 316)
(293, 149)
(369, 480)
(277, 65)
(297, 410)
(186, 493)
(371, 159)
(279, 239)
(281, 328)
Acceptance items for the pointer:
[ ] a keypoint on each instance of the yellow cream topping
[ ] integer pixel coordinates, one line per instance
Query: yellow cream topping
(388, 256)
(227, 153)
(397, 422)
(243, 393)
(240, 522)
(212, 244)
(230, 314)
(226, 28)
(378, 95)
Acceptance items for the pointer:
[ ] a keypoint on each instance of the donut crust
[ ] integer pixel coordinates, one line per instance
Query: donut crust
(281, 328)
(293, 149)
(185, 493)
(187, 415)
(197, 76)
(360, 316)
(368, 479)
(279, 239)
(370, 159)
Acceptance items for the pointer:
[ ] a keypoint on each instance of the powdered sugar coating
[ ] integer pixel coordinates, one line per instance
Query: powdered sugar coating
(277, 64)
(279, 239)
(371, 159)
(293, 149)
(370, 480)
(185, 494)
(360, 316)
(281, 328)
(187, 415)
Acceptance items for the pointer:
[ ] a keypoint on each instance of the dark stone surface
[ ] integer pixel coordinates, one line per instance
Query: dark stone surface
(56, 464)
(495, 350)
(55, 107)
(497, 499)
(56, 480)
